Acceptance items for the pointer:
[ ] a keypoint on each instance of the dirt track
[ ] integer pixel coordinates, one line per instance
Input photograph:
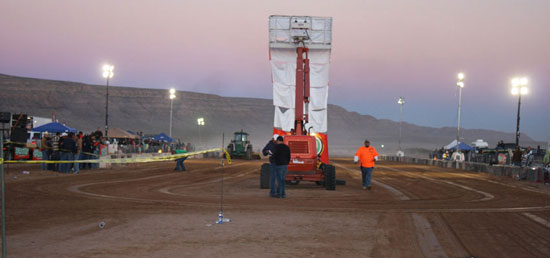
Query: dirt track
(150, 211)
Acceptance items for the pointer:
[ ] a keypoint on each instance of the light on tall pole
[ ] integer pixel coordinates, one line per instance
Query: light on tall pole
(460, 85)
(519, 87)
(200, 122)
(401, 102)
(107, 74)
(172, 97)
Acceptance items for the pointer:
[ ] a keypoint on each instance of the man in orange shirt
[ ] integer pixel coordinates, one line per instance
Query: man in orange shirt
(367, 155)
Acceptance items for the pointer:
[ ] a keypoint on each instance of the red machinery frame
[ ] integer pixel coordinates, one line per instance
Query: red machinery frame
(304, 163)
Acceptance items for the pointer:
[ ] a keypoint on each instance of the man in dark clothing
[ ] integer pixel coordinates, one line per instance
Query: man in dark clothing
(98, 134)
(87, 148)
(268, 151)
(281, 157)
(56, 155)
(68, 148)
(516, 157)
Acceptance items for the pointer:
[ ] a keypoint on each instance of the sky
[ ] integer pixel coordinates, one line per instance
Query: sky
(381, 50)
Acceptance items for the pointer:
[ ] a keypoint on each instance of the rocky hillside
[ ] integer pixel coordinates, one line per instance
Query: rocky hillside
(83, 106)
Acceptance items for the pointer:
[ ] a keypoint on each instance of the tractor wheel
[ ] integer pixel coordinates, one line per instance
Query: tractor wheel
(330, 177)
(248, 154)
(264, 176)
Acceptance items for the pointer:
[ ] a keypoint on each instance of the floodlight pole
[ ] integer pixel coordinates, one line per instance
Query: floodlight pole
(460, 85)
(107, 110)
(4, 252)
(200, 123)
(400, 102)
(517, 123)
(458, 124)
(200, 138)
(171, 103)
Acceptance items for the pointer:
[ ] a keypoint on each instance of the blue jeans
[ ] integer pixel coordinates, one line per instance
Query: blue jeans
(45, 156)
(366, 174)
(280, 172)
(56, 156)
(78, 156)
(96, 156)
(66, 167)
(272, 179)
(179, 164)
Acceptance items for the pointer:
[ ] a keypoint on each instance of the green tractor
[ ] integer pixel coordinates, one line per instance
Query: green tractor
(240, 146)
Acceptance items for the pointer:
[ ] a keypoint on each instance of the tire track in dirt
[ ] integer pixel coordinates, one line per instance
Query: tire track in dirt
(170, 189)
(487, 196)
(398, 194)
(340, 197)
(78, 188)
(426, 238)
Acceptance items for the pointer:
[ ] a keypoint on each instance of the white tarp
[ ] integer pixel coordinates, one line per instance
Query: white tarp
(284, 118)
(284, 95)
(318, 119)
(318, 98)
(283, 67)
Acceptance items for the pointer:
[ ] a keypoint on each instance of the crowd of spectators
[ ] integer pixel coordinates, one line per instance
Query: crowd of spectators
(503, 153)
(77, 147)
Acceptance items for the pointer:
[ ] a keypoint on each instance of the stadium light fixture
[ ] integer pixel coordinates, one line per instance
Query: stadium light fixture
(107, 74)
(401, 102)
(172, 92)
(519, 87)
(460, 85)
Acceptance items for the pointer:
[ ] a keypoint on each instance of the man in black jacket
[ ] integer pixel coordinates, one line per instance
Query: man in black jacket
(68, 148)
(268, 151)
(281, 157)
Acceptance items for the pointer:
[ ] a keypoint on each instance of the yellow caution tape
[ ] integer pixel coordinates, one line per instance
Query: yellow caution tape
(122, 160)
(227, 156)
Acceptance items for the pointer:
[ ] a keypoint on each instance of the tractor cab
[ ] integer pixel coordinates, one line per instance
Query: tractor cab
(240, 146)
(241, 137)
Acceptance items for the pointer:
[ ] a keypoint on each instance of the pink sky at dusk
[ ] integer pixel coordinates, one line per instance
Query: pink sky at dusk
(382, 50)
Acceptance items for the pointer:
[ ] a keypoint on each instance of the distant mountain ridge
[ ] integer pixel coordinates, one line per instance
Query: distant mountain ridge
(82, 106)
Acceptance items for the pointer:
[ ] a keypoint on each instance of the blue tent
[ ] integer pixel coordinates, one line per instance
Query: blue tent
(162, 137)
(463, 147)
(54, 127)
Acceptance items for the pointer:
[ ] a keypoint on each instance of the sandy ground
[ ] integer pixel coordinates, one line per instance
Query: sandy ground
(151, 211)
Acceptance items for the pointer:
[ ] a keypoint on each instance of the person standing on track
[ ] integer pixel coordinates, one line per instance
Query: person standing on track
(366, 155)
(281, 156)
(516, 157)
(268, 151)
(45, 149)
(179, 161)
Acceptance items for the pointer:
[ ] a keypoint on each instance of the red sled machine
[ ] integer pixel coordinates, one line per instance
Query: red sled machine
(293, 41)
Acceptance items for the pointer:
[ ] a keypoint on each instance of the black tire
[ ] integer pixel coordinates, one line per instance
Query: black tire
(330, 177)
(340, 182)
(248, 154)
(264, 176)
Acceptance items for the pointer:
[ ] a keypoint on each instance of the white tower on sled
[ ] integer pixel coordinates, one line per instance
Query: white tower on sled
(286, 33)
